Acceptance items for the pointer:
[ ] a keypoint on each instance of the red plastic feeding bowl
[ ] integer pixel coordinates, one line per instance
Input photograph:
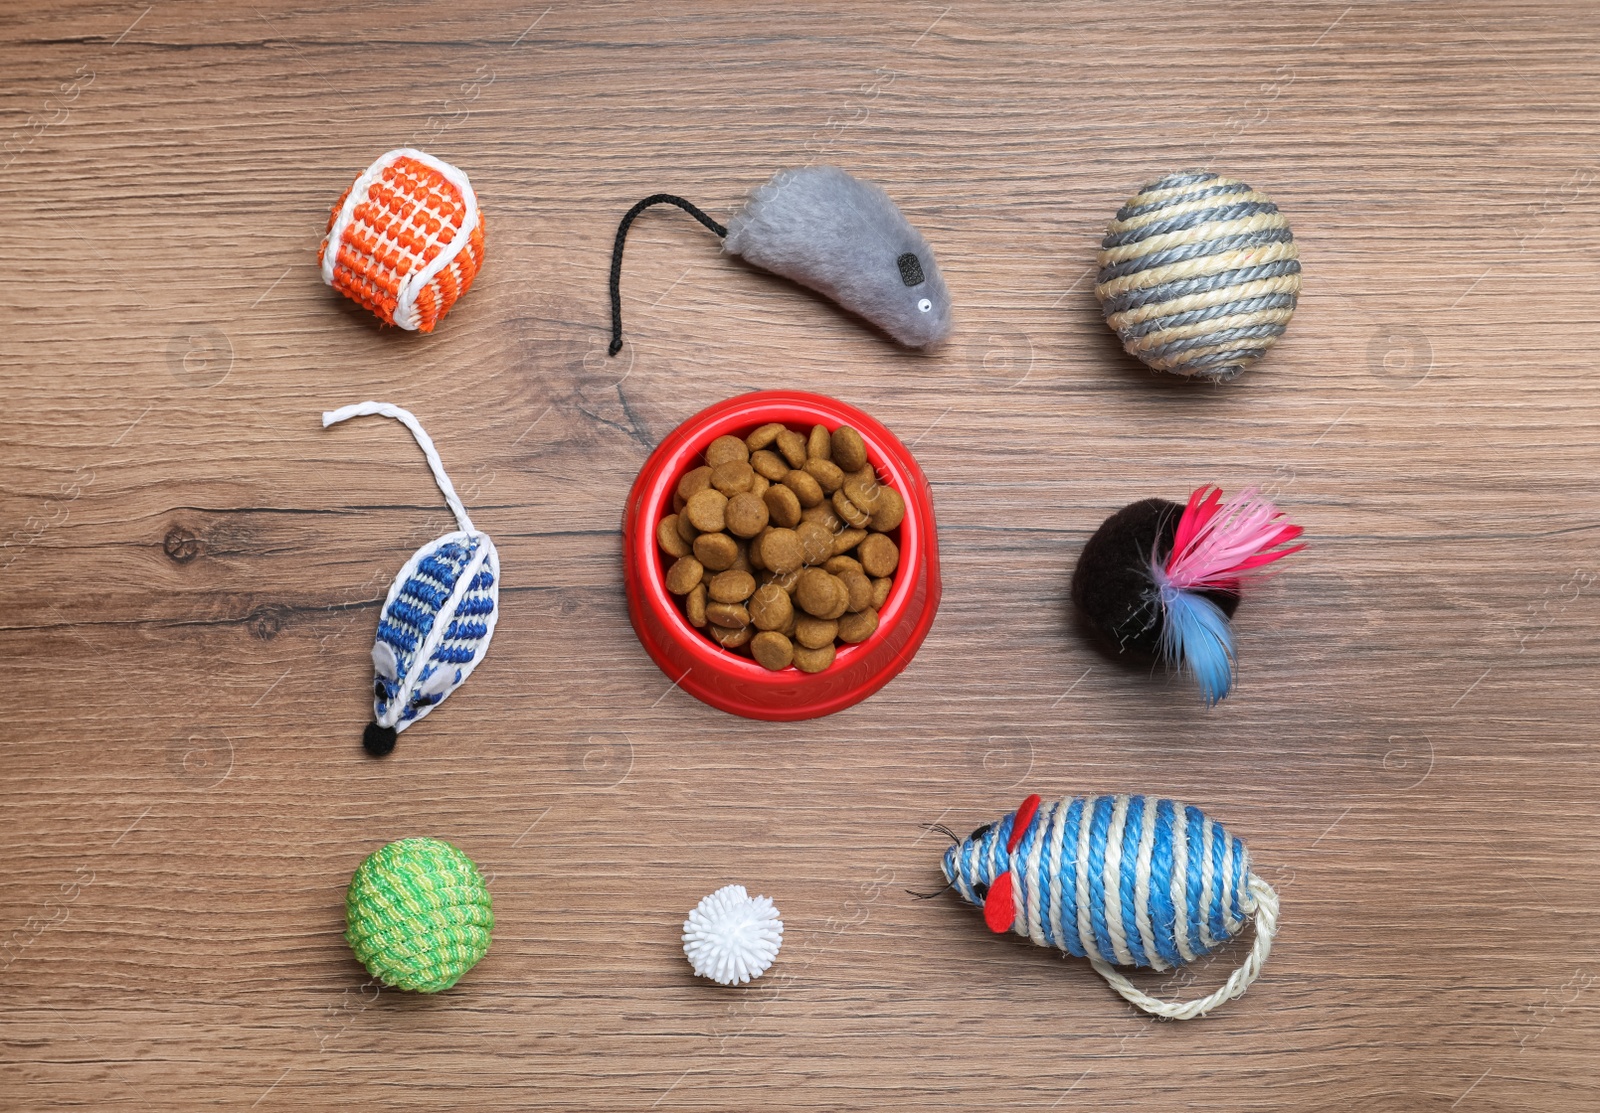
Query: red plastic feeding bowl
(738, 684)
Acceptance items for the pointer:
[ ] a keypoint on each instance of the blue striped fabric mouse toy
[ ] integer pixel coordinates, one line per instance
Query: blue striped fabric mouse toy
(440, 613)
(1122, 881)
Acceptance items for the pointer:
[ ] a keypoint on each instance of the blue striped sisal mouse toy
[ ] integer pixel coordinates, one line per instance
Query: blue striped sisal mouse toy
(440, 613)
(1122, 881)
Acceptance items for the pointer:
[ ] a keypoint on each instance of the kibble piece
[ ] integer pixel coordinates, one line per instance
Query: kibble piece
(863, 492)
(717, 551)
(694, 605)
(732, 477)
(668, 537)
(729, 616)
(770, 607)
(678, 502)
(813, 660)
(792, 447)
(729, 638)
(839, 565)
(772, 650)
(827, 475)
(764, 436)
(816, 543)
(733, 586)
(849, 511)
(820, 594)
(787, 629)
(847, 539)
(780, 551)
(823, 515)
(684, 574)
(855, 582)
(858, 627)
(705, 510)
(849, 450)
(741, 561)
(804, 485)
(878, 555)
(841, 600)
(726, 448)
(880, 591)
(752, 551)
(785, 580)
(686, 529)
(769, 464)
(891, 510)
(819, 446)
(746, 515)
(814, 633)
(759, 485)
(694, 482)
(783, 505)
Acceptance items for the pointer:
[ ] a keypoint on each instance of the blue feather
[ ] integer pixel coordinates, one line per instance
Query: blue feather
(1198, 637)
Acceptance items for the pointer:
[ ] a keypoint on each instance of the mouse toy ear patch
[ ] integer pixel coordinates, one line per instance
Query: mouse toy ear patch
(830, 232)
(440, 612)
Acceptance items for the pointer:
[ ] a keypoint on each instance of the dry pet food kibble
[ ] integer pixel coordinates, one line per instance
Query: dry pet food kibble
(779, 544)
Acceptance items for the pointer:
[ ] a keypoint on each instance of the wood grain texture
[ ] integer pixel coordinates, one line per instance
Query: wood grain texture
(191, 567)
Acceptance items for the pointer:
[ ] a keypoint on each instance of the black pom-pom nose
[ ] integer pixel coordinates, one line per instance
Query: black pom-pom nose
(379, 741)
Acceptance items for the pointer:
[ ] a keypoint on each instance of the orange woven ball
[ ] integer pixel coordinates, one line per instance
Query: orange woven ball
(405, 240)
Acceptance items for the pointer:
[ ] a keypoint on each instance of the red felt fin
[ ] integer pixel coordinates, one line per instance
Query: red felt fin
(998, 907)
(1019, 826)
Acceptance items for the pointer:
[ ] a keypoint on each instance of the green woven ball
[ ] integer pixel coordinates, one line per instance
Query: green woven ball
(417, 914)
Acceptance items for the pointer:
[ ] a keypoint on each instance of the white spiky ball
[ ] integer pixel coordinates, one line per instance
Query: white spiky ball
(731, 937)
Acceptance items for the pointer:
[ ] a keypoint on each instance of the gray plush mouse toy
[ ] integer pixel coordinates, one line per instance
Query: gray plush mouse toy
(833, 233)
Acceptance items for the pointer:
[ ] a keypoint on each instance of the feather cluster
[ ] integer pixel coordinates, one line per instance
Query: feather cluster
(732, 937)
(1217, 545)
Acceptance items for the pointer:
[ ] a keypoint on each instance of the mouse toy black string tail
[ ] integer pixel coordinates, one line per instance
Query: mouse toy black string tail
(622, 236)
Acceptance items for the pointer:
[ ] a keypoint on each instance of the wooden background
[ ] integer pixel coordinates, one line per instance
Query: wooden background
(191, 567)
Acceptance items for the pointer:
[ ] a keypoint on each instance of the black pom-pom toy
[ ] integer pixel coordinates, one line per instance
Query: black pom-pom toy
(1162, 580)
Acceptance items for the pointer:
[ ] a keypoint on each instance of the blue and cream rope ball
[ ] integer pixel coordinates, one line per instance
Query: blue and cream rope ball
(1122, 881)
(1199, 275)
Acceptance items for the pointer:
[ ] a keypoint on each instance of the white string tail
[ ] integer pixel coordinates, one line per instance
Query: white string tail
(425, 442)
(1262, 903)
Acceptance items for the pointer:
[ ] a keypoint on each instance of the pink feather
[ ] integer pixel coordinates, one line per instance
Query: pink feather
(1217, 541)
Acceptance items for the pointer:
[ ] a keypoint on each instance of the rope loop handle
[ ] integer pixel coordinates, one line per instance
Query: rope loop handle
(1261, 902)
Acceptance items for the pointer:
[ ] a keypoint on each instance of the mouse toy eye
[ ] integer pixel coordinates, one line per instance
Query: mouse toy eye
(925, 305)
(979, 833)
(910, 269)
